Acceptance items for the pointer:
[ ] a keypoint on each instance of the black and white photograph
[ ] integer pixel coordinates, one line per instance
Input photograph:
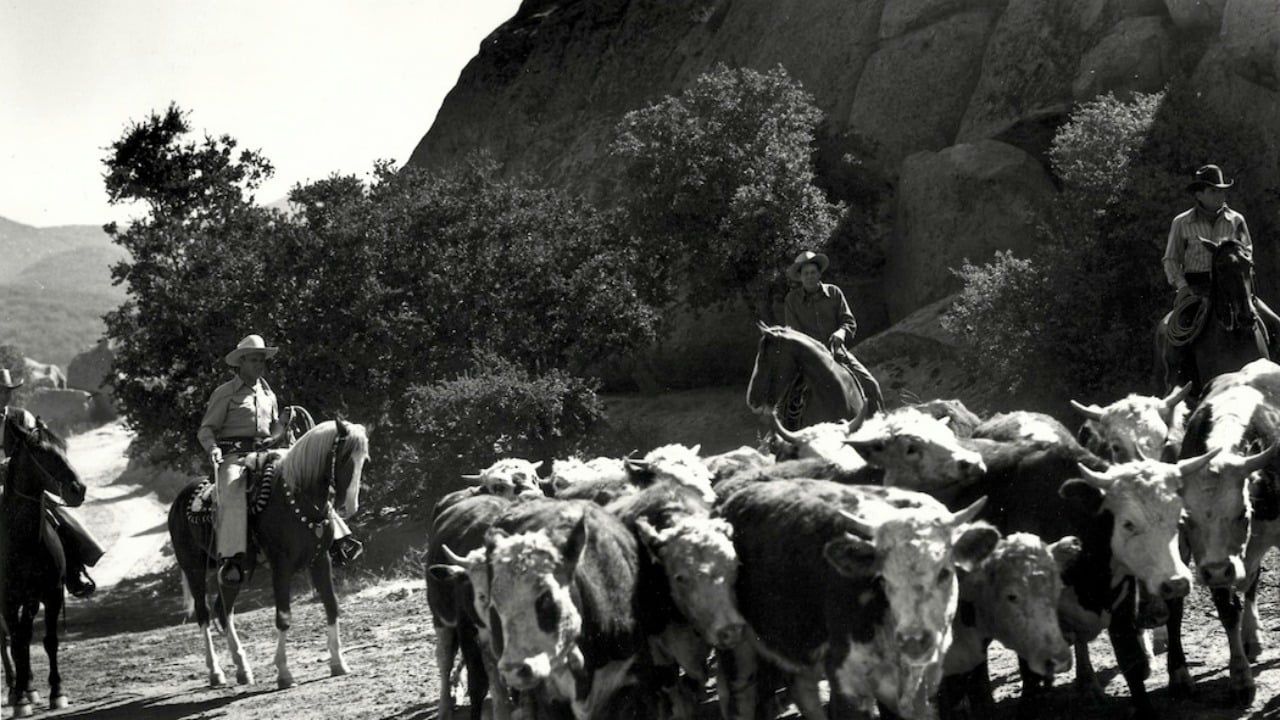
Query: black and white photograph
(640, 359)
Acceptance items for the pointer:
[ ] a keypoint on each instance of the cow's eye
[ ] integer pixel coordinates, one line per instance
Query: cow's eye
(944, 575)
(912, 449)
(1011, 597)
(681, 578)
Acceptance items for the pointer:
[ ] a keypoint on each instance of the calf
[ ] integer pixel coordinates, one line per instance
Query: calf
(1232, 512)
(1131, 428)
(564, 589)
(1011, 596)
(460, 528)
(917, 452)
(853, 583)
(1126, 518)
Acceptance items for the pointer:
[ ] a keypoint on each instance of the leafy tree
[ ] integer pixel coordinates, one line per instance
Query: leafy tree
(720, 183)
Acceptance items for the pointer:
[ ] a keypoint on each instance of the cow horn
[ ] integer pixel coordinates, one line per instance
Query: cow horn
(454, 558)
(782, 432)
(1260, 460)
(1141, 455)
(860, 526)
(1177, 396)
(970, 512)
(1097, 479)
(1093, 412)
(1197, 463)
(473, 479)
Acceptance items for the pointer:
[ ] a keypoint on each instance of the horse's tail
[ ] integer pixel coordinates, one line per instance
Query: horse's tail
(188, 598)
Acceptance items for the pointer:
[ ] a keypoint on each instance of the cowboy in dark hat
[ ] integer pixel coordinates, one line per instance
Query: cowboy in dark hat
(820, 311)
(1187, 261)
(79, 547)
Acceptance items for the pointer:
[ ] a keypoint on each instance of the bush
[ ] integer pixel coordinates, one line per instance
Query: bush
(495, 409)
(1124, 166)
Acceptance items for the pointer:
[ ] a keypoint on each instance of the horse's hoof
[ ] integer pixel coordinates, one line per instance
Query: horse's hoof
(1243, 689)
(1181, 686)
(284, 682)
(33, 696)
(244, 678)
(217, 679)
(59, 702)
(23, 710)
(336, 670)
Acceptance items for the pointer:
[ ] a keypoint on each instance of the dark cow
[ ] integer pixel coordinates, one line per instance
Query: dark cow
(852, 583)
(458, 530)
(565, 589)
(689, 568)
(1126, 519)
(1233, 512)
(1023, 425)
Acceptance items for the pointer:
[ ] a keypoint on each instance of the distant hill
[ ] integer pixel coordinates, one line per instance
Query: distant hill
(55, 286)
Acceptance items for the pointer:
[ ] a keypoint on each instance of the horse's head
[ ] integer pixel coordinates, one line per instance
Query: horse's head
(1232, 284)
(39, 459)
(351, 449)
(775, 368)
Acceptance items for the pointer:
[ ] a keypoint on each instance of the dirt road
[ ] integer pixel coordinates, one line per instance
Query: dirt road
(129, 655)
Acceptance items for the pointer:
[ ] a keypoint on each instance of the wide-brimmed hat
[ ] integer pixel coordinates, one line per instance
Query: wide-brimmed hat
(6, 380)
(250, 344)
(1209, 176)
(805, 258)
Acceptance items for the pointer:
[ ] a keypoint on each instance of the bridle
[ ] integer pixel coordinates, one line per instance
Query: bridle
(44, 495)
(317, 525)
(1226, 311)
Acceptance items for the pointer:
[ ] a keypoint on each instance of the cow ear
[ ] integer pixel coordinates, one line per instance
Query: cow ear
(536, 466)
(973, 543)
(651, 538)
(576, 544)
(851, 556)
(696, 449)
(1082, 495)
(493, 536)
(1065, 552)
(639, 472)
(446, 573)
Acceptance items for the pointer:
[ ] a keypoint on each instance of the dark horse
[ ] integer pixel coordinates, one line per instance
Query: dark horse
(33, 566)
(293, 530)
(1229, 340)
(786, 354)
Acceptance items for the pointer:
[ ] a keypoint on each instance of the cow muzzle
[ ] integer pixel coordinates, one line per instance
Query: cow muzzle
(1219, 574)
(1176, 588)
(916, 645)
(729, 635)
(525, 674)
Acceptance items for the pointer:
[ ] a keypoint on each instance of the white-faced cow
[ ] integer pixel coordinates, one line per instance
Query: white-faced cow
(1232, 512)
(727, 464)
(824, 441)
(508, 478)
(1127, 520)
(573, 471)
(1024, 425)
(564, 589)
(1131, 428)
(1011, 596)
(917, 452)
(852, 583)
(962, 420)
(457, 613)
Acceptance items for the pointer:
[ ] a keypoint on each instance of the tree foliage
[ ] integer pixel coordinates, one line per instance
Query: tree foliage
(720, 182)
(373, 288)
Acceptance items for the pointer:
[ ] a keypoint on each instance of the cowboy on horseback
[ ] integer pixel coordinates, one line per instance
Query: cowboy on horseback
(79, 547)
(820, 311)
(243, 417)
(1188, 260)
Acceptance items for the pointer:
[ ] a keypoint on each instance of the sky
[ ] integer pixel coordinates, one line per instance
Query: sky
(320, 86)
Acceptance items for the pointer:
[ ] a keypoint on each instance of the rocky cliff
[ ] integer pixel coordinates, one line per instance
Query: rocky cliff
(952, 102)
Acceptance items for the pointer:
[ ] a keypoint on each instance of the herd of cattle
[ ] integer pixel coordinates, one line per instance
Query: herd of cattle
(880, 555)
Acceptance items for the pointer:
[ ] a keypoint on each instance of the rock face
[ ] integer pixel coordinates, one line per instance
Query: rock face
(62, 410)
(894, 78)
(89, 371)
(964, 202)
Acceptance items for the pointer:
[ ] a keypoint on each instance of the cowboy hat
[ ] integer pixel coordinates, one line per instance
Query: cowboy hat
(805, 258)
(6, 380)
(1209, 176)
(250, 344)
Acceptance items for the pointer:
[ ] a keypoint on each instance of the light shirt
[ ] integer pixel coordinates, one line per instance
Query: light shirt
(237, 410)
(1185, 253)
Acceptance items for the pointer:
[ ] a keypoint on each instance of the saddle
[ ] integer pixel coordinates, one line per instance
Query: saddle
(260, 471)
(791, 406)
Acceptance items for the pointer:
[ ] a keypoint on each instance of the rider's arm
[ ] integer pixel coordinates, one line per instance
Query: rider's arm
(845, 316)
(1242, 234)
(790, 315)
(1173, 253)
(214, 415)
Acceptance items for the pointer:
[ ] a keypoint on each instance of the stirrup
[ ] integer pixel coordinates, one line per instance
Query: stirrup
(345, 550)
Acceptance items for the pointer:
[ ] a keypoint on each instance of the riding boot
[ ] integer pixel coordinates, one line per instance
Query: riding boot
(79, 584)
(82, 542)
(344, 547)
(231, 572)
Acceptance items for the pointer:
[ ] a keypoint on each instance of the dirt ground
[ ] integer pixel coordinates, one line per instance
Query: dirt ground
(129, 654)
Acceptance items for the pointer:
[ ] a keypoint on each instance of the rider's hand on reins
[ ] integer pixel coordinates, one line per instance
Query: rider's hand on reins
(215, 455)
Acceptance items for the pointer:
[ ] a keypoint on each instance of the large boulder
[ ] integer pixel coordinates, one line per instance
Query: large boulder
(89, 370)
(903, 16)
(63, 410)
(964, 202)
(1204, 14)
(915, 88)
(1136, 56)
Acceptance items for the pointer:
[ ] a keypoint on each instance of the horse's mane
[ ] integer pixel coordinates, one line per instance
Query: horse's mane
(23, 421)
(782, 332)
(307, 462)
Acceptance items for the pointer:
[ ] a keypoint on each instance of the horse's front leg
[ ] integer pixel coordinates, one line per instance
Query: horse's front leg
(280, 576)
(20, 695)
(52, 609)
(244, 673)
(322, 580)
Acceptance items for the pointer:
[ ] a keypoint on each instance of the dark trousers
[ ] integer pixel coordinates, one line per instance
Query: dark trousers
(870, 386)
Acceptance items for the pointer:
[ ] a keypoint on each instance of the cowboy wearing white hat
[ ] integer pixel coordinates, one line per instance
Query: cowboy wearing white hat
(243, 416)
(820, 311)
(1187, 260)
(79, 547)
